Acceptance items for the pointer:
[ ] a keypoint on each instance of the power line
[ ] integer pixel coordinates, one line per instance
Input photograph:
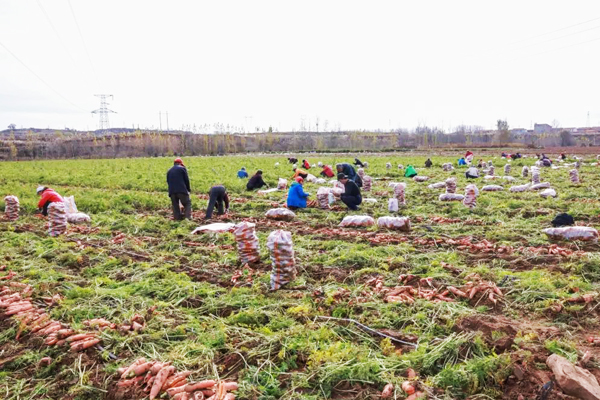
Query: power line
(39, 77)
(554, 31)
(557, 49)
(557, 38)
(84, 45)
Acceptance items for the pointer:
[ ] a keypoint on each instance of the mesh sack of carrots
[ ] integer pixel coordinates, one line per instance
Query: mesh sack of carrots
(397, 223)
(12, 207)
(280, 214)
(574, 175)
(247, 242)
(470, 199)
(57, 219)
(280, 245)
(399, 191)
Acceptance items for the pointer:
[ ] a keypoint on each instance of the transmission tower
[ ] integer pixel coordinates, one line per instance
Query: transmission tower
(103, 111)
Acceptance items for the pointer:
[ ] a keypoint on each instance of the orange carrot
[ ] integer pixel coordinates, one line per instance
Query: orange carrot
(141, 369)
(52, 328)
(192, 387)
(208, 393)
(64, 333)
(80, 336)
(229, 396)
(174, 378)
(198, 395)
(161, 377)
(18, 309)
(174, 390)
(411, 373)
(387, 391)
(85, 345)
(158, 366)
(229, 386)
(408, 388)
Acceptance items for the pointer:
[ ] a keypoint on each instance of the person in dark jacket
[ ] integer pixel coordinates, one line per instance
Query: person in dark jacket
(346, 169)
(242, 173)
(358, 163)
(296, 195)
(256, 182)
(217, 196)
(47, 196)
(179, 190)
(351, 196)
(292, 160)
(428, 163)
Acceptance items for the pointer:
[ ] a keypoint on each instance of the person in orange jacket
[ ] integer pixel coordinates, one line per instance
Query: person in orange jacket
(48, 196)
(299, 172)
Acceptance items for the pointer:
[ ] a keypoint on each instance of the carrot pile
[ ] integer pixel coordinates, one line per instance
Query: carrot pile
(552, 249)
(136, 324)
(15, 302)
(155, 378)
(237, 275)
(407, 387)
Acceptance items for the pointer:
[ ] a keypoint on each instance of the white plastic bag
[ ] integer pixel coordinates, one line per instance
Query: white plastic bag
(357, 221)
(12, 207)
(78, 218)
(397, 223)
(393, 205)
(331, 198)
(219, 227)
(539, 186)
(281, 250)
(70, 207)
(492, 188)
(369, 200)
(388, 165)
(281, 184)
(520, 188)
(584, 233)
(280, 214)
(320, 181)
(437, 185)
(451, 197)
(548, 193)
(267, 191)
(57, 219)
(311, 178)
(419, 178)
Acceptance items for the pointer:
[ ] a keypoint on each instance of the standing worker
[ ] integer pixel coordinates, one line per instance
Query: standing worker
(296, 195)
(179, 190)
(351, 196)
(48, 196)
(242, 173)
(256, 182)
(217, 195)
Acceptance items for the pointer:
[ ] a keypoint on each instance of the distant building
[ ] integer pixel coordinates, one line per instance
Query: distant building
(542, 128)
(518, 131)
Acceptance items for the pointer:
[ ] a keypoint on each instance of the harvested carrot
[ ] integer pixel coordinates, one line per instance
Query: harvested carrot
(192, 387)
(161, 377)
(85, 345)
(149, 383)
(411, 373)
(182, 396)
(18, 309)
(198, 395)
(64, 333)
(174, 390)
(229, 386)
(208, 393)
(171, 382)
(141, 369)
(387, 391)
(80, 336)
(158, 366)
(408, 387)
(61, 342)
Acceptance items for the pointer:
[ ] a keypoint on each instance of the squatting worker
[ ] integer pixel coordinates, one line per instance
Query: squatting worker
(472, 173)
(179, 190)
(299, 173)
(217, 196)
(351, 196)
(296, 195)
(327, 171)
(48, 196)
(428, 163)
(346, 169)
(242, 173)
(256, 182)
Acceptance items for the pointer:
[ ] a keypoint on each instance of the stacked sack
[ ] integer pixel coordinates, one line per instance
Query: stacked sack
(535, 175)
(525, 171)
(323, 197)
(400, 166)
(388, 165)
(450, 185)
(397, 223)
(399, 190)
(280, 214)
(507, 169)
(574, 174)
(470, 199)
(491, 170)
(280, 245)
(57, 219)
(247, 242)
(281, 184)
(447, 167)
(12, 207)
(366, 179)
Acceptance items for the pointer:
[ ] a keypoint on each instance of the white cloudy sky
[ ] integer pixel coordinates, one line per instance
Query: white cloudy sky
(357, 65)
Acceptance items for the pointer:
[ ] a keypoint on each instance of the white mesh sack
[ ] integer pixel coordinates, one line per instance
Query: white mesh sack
(12, 207)
(419, 178)
(280, 214)
(247, 242)
(450, 185)
(281, 250)
(520, 188)
(357, 221)
(281, 184)
(392, 205)
(470, 199)
(584, 233)
(397, 223)
(539, 186)
(311, 178)
(437, 185)
(399, 193)
(492, 188)
(451, 197)
(323, 197)
(57, 219)
(388, 165)
(574, 176)
(78, 218)
(525, 171)
(507, 168)
(548, 193)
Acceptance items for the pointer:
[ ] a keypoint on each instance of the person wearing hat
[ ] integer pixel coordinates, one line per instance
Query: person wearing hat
(351, 196)
(296, 195)
(242, 173)
(217, 196)
(256, 182)
(48, 196)
(179, 190)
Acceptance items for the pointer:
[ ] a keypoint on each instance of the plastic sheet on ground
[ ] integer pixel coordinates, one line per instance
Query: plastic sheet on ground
(281, 250)
(267, 191)
(548, 193)
(492, 188)
(396, 223)
(584, 233)
(12, 207)
(78, 218)
(451, 197)
(247, 242)
(219, 227)
(357, 221)
(57, 219)
(280, 214)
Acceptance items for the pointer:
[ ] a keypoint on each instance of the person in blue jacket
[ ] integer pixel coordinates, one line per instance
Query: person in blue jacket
(461, 161)
(296, 195)
(242, 173)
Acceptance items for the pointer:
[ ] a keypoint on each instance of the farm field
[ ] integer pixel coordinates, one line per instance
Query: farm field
(206, 313)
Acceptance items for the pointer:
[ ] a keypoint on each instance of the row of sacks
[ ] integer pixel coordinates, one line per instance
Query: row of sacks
(279, 243)
(365, 221)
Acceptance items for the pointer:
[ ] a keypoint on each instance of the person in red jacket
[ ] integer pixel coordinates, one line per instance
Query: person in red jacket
(305, 164)
(327, 172)
(48, 196)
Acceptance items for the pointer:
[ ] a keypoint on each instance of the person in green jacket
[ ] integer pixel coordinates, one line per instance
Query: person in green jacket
(410, 171)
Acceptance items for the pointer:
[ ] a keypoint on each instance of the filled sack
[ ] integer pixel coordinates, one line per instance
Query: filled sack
(396, 223)
(357, 221)
(280, 214)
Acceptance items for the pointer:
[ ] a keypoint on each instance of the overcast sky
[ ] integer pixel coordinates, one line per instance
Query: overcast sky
(354, 65)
